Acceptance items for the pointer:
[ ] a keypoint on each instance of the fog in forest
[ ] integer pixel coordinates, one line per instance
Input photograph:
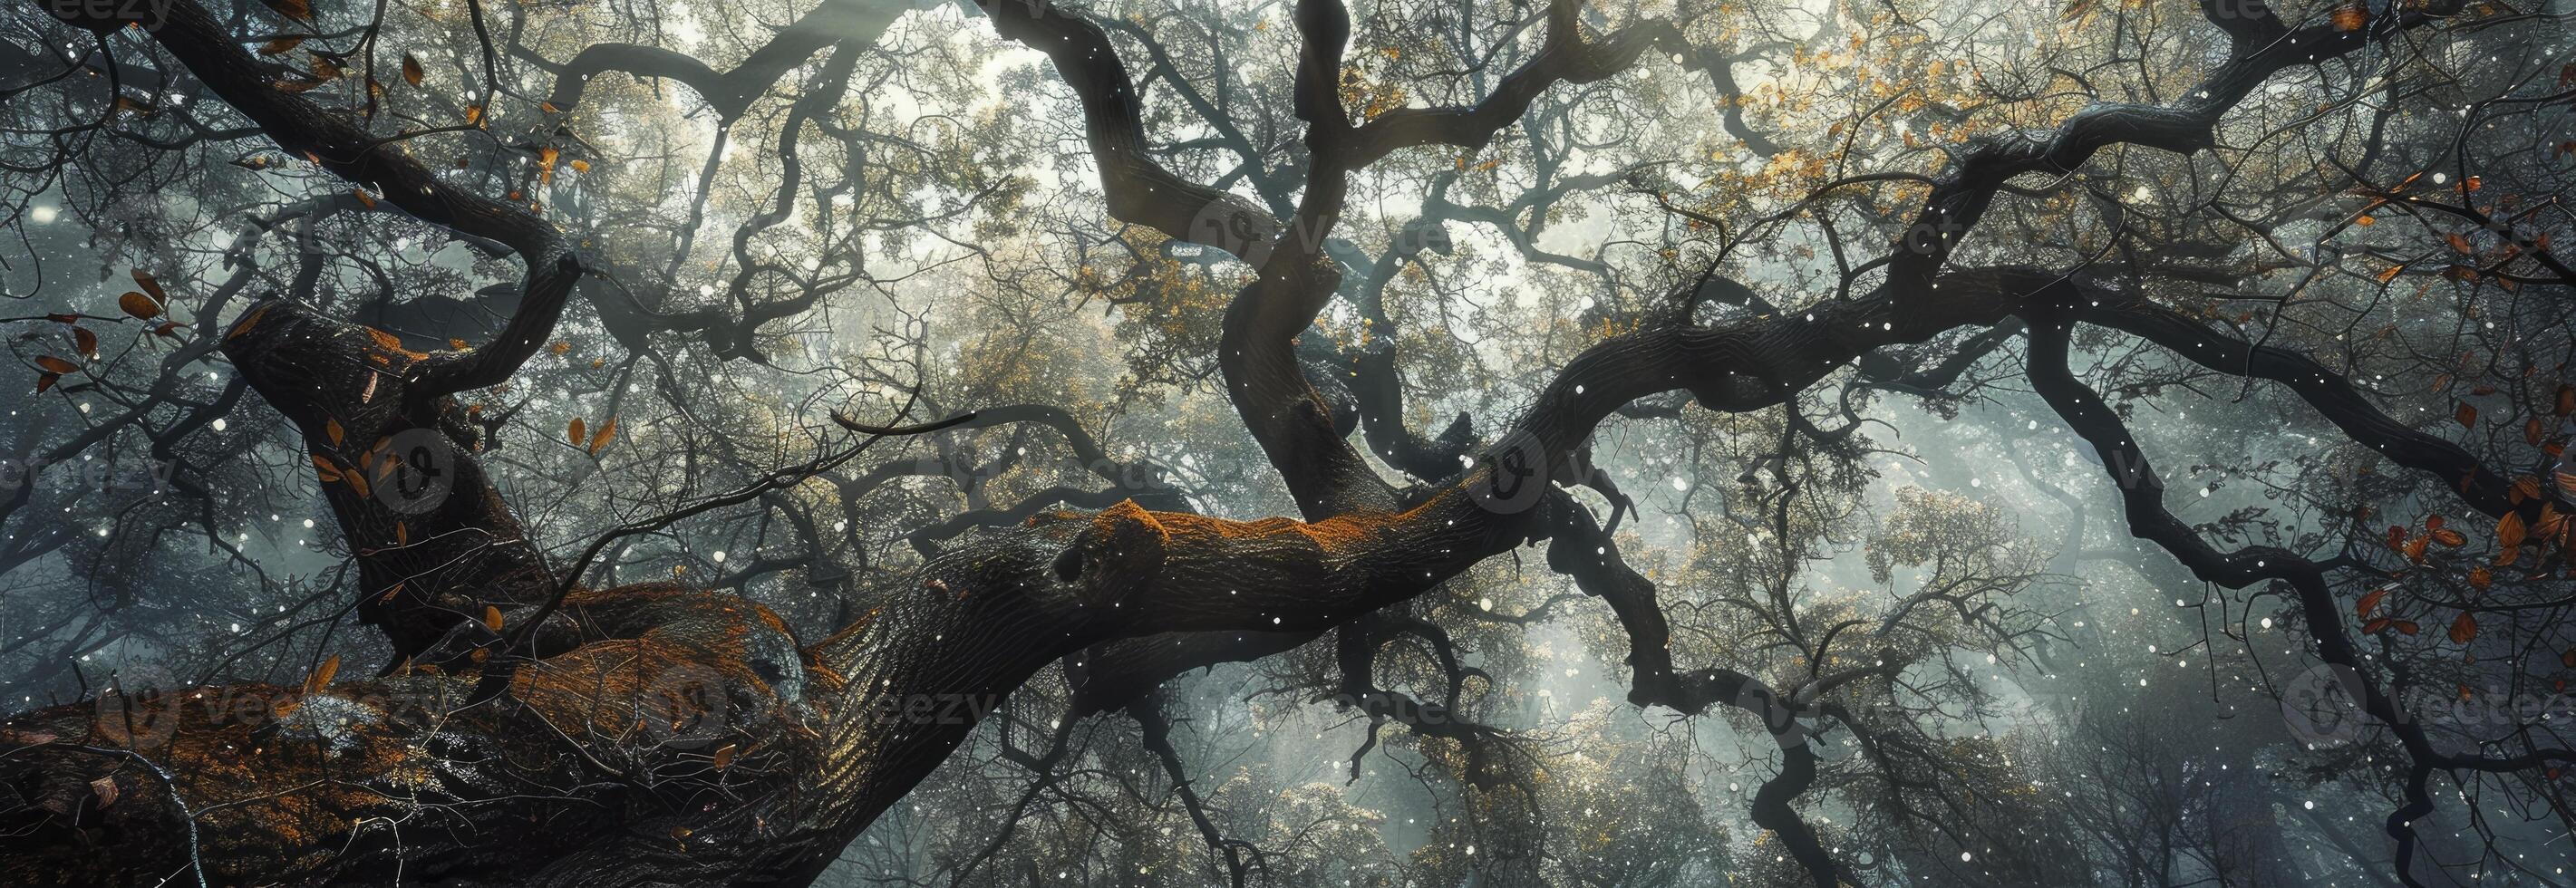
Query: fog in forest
(1318, 443)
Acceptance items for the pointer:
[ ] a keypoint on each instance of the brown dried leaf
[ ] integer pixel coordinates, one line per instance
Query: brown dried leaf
(2510, 530)
(321, 678)
(151, 286)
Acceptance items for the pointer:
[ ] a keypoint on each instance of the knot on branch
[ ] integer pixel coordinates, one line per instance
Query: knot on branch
(1121, 550)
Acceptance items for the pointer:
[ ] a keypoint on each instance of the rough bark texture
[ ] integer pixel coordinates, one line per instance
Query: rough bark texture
(660, 735)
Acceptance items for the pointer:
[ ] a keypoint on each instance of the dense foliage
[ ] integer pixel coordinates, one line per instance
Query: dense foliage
(644, 442)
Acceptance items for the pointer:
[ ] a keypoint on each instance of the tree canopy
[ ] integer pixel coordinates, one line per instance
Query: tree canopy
(1316, 443)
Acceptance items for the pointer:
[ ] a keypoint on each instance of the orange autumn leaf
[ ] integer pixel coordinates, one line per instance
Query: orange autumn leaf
(332, 431)
(2464, 628)
(2415, 549)
(56, 365)
(492, 618)
(607, 432)
(2369, 603)
(150, 285)
(2510, 530)
(577, 432)
(2451, 538)
(321, 678)
(411, 70)
(2467, 415)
